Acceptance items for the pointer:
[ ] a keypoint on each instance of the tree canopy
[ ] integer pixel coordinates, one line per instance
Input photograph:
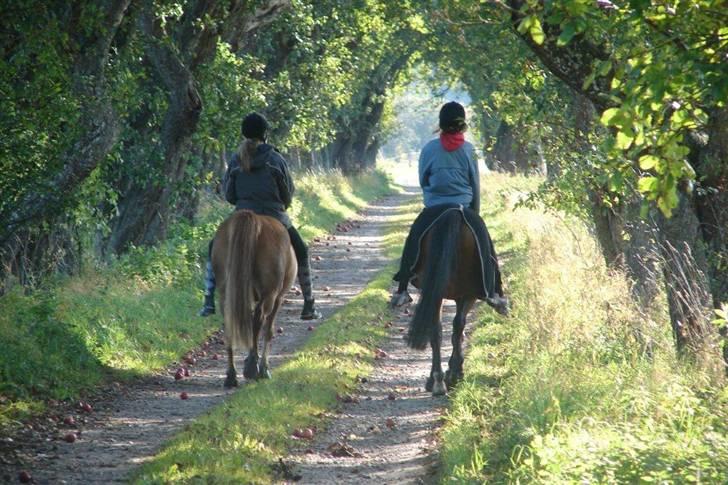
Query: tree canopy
(116, 114)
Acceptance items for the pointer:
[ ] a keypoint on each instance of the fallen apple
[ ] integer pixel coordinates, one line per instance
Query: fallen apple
(25, 477)
(279, 330)
(85, 406)
(303, 433)
(69, 420)
(187, 372)
(70, 437)
(184, 396)
(310, 328)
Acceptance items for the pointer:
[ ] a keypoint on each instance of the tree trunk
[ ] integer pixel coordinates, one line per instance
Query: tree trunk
(147, 208)
(503, 149)
(98, 130)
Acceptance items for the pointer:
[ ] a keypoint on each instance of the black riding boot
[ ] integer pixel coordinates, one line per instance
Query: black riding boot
(208, 307)
(309, 304)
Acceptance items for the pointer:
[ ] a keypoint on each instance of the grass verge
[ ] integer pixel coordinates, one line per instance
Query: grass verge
(241, 440)
(565, 390)
(137, 314)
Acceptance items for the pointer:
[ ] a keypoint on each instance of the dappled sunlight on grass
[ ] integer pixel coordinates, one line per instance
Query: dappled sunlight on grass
(579, 384)
(241, 441)
(138, 314)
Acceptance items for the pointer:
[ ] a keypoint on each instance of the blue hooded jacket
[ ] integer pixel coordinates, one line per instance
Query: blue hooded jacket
(449, 177)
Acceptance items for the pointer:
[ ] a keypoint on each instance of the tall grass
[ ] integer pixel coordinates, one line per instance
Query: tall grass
(580, 385)
(138, 313)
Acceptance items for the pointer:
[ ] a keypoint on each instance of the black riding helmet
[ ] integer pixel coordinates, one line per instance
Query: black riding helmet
(452, 117)
(254, 126)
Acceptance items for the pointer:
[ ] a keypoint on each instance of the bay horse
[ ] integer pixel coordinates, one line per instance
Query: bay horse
(254, 262)
(448, 267)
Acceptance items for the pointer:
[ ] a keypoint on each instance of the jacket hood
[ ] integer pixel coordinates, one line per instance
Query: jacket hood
(262, 155)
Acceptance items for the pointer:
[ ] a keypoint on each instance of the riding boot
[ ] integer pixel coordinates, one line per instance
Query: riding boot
(208, 307)
(309, 305)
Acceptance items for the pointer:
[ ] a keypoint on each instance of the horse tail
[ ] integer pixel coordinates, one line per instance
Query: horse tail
(239, 296)
(438, 265)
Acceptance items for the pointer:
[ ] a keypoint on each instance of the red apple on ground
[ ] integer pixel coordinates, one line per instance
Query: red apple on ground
(25, 477)
(69, 420)
(70, 437)
(184, 396)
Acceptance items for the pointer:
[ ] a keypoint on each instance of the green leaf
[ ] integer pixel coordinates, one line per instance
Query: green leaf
(648, 162)
(567, 33)
(647, 185)
(609, 115)
(536, 31)
(624, 141)
(604, 68)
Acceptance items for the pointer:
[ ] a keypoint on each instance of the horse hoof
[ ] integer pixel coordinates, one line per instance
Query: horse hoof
(231, 382)
(251, 373)
(250, 370)
(264, 374)
(452, 378)
(439, 388)
(428, 385)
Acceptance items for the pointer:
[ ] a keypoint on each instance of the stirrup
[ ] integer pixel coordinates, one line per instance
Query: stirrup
(500, 304)
(309, 311)
(400, 299)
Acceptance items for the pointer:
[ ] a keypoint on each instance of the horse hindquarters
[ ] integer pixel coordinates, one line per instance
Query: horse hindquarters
(232, 256)
(438, 261)
(275, 272)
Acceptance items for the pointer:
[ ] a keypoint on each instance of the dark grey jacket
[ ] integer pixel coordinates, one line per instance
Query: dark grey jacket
(267, 189)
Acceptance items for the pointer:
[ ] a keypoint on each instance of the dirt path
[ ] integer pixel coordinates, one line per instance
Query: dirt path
(130, 422)
(379, 439)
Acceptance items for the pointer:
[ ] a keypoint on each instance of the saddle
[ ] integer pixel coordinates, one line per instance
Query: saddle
(491, 280)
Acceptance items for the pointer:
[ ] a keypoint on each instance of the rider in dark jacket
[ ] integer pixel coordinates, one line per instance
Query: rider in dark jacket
(257, 179)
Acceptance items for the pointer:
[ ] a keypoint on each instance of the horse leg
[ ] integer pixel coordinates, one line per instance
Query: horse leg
(231, 380)
(436, 381)
(264, 371)
(250, 371)
(454, 372)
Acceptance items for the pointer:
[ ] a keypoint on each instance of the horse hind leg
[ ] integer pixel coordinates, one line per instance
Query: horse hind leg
(264, 369)
(436, 381)
(454, 372)
(231, 380)
(250, 369)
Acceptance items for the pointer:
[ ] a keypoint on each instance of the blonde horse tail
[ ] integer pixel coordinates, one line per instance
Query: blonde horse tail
(239, 296)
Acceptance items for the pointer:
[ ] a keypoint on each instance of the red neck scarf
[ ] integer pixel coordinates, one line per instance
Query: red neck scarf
(452, 141)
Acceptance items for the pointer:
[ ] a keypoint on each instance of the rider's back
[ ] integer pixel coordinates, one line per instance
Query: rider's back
(446, 176)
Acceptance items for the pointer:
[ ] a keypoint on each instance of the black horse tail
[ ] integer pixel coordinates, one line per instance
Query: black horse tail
(440, 262)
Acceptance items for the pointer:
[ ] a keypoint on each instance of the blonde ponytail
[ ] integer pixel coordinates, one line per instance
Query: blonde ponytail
(246, 152)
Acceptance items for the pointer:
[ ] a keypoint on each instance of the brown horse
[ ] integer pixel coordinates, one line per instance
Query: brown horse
(254, 262)
(448, 267)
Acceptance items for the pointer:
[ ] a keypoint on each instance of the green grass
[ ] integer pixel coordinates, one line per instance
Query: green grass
(241, 440)
(137, 314)
(564, 392)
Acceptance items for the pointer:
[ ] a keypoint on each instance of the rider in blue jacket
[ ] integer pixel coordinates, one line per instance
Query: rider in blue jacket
(448, 172)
